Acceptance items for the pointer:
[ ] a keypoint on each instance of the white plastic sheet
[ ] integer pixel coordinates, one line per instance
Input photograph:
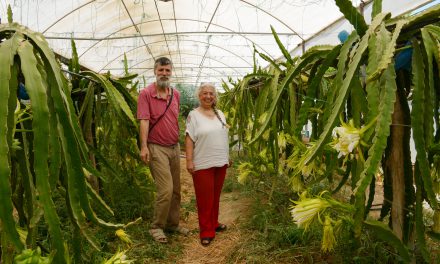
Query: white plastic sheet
(208, 40)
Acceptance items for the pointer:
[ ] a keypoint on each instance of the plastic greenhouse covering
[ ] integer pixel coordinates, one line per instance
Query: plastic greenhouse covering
(207, 40)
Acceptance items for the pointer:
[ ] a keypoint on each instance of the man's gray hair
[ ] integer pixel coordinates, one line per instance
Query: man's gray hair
(162, 61)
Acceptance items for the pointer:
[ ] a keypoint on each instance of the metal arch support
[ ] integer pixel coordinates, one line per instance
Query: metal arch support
(212, 69)
(196, 41)
(175, 65)
(191, 54)
(215, 77)
(213, 15)
(137, 29)
(66, 15)
(163, 30)
(177, 36)
(218, 78)
(209, 23)
(201, 63)
(277, 19)
(193, 20)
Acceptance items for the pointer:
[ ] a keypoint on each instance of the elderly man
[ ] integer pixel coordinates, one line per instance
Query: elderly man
(158, 111)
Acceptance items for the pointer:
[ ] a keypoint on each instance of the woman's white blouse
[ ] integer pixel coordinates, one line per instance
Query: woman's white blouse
(210, 137)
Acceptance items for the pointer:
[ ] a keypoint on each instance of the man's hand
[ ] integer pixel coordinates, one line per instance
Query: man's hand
(145, 155)
(143, 134)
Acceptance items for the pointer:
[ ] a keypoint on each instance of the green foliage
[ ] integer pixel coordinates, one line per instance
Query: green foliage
(148, 251)
(353, 16)
(314, 85)
(74, 62)
(417, 119)
(32, 256)
(188, 99)
(125, 64)
(41, 129)
(328, 87)
(86, 129)
(339, 102)
(281, 46)
(114, 98)
(8, 49)
(10, 19)
(70, 134)
(377, 8)
(182, 127)
(270, 234)
(385, 233)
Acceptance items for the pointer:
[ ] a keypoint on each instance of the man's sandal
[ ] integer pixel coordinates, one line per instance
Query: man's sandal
(158, 235)
(221, 228)
(181, 230)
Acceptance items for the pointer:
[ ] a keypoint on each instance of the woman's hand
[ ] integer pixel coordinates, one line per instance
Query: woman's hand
(190, 167)
(189, 149)
(230, 163)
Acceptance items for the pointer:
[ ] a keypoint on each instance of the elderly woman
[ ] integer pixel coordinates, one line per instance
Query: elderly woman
(207, 157)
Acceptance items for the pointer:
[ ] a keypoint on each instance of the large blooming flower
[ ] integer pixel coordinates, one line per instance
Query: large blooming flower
(346, 140)
(307, 209)
(347, 137)
(320, 208)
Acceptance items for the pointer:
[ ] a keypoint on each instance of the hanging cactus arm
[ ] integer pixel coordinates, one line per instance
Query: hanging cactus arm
(382, 131)
(38, 95)
(281, 46)
(115, 97)
(313, 87)
(377, 45)
(388, 54)
(353, 16)
(10, 18)
(307, 58)
(377, 8)
(343, 91)
(417, 122)
(8, 49)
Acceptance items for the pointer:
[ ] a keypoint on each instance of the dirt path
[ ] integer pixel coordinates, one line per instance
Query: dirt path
(232, 211)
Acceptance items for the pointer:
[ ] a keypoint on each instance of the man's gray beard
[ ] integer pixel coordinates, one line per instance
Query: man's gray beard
(163, 84)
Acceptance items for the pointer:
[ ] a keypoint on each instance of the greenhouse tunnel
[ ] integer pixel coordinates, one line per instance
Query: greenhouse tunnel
(329, 131)
(208, 41)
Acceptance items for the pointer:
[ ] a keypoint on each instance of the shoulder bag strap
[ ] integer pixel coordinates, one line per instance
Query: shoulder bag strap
(166, 109)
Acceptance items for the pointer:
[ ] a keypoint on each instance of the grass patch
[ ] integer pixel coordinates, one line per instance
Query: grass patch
(146, 250)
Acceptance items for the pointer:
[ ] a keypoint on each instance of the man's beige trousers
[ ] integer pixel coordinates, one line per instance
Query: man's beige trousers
(165, 168)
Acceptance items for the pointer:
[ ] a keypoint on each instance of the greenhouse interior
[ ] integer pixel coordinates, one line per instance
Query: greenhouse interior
(291, 131)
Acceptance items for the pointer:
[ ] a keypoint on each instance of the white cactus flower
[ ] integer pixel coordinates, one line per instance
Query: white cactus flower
(347, 137)
(307, 209)
(346, 140)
